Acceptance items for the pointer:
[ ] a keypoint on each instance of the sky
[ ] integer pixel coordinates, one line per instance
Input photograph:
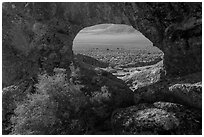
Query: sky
(110, 35)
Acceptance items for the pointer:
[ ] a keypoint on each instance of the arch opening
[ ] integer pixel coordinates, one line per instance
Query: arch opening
(116, 44)
(116, 48)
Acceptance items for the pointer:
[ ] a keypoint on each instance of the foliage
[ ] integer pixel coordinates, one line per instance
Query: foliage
(101, 101)
(102, 96)
(57, 107)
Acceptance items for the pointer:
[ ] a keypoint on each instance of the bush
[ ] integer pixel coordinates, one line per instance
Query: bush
(100, 102)
(57, 107)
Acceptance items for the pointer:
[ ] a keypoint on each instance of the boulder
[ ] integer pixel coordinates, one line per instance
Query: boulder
(185, 90)
(157, 119)
(147, 75)
(190, 94)
(105, 92)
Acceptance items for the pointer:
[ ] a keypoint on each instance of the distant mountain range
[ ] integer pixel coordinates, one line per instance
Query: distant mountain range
(109, 29)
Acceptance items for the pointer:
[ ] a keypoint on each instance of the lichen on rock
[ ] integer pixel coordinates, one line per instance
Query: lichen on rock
(160, 118)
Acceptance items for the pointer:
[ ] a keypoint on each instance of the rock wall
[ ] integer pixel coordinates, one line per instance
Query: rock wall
(39, 36)
(175, 28)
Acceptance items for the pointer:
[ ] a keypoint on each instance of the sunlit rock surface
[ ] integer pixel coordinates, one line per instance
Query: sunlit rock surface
(160, 118)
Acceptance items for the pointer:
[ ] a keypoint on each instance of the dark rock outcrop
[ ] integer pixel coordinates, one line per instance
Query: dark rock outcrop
(183, 90)
(158, 118)
(175, 28)
(40, 35)
(105, 91)
(188, 93)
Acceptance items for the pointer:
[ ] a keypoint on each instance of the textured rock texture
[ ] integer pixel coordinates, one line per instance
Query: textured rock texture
(158, 118)
(175, 28)
(185, 90)
(105, 92)
(188, 93)
(147, 75)
(40, 35)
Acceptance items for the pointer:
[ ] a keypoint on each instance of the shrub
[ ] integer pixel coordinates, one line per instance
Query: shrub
(57, 107)
(101, 101)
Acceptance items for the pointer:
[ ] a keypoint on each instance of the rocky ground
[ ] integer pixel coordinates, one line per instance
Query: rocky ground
(161, 106)
(123, 57)
(128, 100)
(133, 100)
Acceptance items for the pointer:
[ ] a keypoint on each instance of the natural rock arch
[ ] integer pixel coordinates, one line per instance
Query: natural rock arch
(40, 35)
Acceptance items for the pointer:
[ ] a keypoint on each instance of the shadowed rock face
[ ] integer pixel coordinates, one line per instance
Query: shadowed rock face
(175, 28)
(40, 35)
